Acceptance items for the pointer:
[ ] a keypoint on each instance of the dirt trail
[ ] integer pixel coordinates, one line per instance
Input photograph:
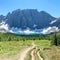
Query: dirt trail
(32, 55)
(40, 58)
(25, 52)
(33, 52)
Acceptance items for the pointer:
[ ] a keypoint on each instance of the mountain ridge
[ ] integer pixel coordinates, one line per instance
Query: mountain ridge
(28, 18)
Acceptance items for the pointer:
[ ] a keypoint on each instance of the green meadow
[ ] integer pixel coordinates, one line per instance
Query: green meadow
(11, 45)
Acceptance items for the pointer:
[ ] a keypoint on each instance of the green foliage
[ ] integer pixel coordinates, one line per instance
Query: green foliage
(9, 38)
(55, 39)
(12, 37)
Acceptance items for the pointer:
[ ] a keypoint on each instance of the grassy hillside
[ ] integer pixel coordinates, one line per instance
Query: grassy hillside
(12, 45)
(12, 48)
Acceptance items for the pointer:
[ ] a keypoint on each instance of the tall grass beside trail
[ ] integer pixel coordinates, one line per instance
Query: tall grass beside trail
(48, 51)
(11, 45)
(43, 43)
(11, 48)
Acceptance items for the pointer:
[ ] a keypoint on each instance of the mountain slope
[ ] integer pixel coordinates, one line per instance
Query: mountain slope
(56, 23)
(29, 18)
(29, 21)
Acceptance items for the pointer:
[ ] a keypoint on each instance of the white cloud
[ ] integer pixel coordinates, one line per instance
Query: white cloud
(28, 32)
(5, 28)
(50, 30)
(3, 25)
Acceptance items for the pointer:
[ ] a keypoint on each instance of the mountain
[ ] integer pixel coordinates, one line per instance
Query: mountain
(50, 30)
(29, 18)
(29, 21)
(2, 18)
(56, 23)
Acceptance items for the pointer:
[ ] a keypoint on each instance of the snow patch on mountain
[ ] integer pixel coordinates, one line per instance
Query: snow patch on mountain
(34, 25)
(53, 21)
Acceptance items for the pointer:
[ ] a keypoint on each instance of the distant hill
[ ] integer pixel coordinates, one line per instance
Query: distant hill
(28, 18)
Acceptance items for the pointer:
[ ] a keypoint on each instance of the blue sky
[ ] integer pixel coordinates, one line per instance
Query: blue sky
(50, 6)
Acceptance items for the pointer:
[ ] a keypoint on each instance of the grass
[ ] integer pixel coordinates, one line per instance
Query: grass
(54, 53)
(36, 56)
(48, 52)
(11, 48)
(42, 43)
(11, 45)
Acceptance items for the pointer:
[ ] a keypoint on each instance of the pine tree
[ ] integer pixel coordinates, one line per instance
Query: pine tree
(55, 39)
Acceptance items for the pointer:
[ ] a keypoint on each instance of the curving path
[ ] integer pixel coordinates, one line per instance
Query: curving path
(40, 58)
(25, 52)
(32, 54)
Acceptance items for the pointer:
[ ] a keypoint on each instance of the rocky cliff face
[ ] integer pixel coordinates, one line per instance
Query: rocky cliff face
(28, 18)
(56, 23)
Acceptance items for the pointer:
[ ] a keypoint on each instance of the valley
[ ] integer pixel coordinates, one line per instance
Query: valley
(29, 30)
